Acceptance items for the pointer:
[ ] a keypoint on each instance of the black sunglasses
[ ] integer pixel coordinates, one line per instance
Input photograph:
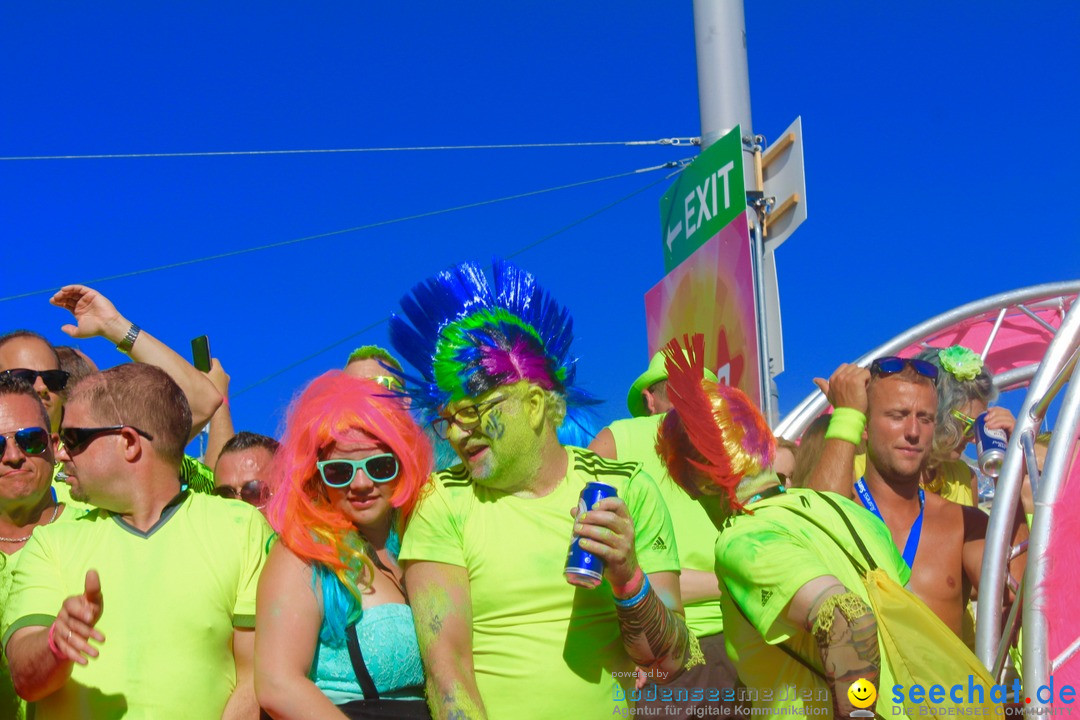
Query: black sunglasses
(76, 439)
(55, 380)
(31, 440)
(253, 492)
(885, 366)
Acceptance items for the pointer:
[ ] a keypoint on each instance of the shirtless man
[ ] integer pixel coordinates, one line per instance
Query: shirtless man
(942, 541)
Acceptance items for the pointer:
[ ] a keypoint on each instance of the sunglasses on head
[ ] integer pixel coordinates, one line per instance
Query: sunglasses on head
(885, 366)
(339, 472)
(76, 439)
(55, 380)
(253, 492)
(31, 440)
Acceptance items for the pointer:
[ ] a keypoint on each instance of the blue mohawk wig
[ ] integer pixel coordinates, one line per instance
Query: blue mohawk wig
(466, 337)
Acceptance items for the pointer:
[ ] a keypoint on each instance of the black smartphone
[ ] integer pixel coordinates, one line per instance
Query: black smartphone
(200, 353)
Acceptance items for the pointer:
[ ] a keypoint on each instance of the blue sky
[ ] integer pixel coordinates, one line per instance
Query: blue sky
(940, 163)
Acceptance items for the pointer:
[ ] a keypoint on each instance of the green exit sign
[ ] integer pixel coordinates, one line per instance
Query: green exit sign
(707, 195)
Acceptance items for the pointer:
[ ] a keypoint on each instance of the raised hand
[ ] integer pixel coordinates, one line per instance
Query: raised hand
(846, 387)
(94, 314)
(73, 628)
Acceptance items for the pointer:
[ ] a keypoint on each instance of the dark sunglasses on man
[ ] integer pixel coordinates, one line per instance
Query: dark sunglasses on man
(31, 440)
(885, 366)
(55, 380)
(76, 439)
(253, 492)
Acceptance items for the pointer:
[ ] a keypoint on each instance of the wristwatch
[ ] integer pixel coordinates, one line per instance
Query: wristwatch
(128, 342)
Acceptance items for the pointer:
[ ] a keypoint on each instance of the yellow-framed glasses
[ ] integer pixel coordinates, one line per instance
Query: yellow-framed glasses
(967, 422)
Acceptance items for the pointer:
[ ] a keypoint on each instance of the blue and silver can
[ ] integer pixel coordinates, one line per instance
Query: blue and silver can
(990, 447)
(583, 568)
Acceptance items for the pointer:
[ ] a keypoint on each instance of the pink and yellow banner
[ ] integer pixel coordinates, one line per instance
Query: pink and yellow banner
(712, 292)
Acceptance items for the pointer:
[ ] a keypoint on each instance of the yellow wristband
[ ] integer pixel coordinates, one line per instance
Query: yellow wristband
(846, 424)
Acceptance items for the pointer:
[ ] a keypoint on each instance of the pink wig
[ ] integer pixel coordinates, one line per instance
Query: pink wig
(330, 409)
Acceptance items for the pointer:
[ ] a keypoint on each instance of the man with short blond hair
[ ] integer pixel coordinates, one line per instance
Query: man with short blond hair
(147, 546)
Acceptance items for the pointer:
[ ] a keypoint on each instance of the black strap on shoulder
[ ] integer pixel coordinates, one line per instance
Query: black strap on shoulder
(854, 535)
(813, 521)
(363, 677)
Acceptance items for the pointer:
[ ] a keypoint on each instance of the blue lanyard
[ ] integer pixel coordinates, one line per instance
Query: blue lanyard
(915, 533)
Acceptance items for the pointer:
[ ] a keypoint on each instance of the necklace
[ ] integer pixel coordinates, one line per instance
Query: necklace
(55, 512)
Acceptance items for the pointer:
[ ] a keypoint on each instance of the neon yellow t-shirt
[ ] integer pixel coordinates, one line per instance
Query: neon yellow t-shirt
(763, 560)
(695, 534)
(541, 647)
(954, 477)
(11, 705)
(172, 599)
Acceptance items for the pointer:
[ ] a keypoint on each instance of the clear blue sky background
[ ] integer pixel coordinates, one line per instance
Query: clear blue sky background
(941, 160)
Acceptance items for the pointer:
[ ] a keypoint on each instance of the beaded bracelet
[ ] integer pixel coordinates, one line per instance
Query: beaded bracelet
(847, 424)
(632, 601)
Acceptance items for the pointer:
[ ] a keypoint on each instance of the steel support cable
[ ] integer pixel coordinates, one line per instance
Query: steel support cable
(517, 252)
(358, 228)
(324, 151)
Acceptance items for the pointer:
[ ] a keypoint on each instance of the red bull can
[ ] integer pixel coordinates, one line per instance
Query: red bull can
(583, 568)
(990, 447)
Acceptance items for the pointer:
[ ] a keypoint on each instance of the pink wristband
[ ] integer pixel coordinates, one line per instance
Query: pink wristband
(631, 588)
(57, 653)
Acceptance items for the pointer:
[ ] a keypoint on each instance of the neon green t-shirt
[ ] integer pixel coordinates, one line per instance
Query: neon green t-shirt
(172, 598)
(763, 560)
(11, 705)
(954, 478)
(695, 534)
(541, 647)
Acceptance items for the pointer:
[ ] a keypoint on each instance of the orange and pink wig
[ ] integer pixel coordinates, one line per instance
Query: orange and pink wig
(713, 429)
(338, 407)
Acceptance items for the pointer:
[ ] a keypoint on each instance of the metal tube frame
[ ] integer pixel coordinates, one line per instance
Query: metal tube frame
(796, 421)
(1037, 662)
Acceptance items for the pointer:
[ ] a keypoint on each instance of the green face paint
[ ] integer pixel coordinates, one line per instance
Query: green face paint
(493, 425)
(430, 607)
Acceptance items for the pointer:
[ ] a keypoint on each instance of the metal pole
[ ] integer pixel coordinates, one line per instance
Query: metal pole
(1007, 495)
(724, 100)
(757, 245)
(1055, 472)
(723, 73)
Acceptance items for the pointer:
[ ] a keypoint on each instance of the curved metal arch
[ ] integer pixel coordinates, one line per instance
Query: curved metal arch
(1060, 364)
(1060, 293)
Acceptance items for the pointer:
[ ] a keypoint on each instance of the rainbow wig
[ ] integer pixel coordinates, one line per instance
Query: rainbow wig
(466, 337)
(334, 407)
(713, 428)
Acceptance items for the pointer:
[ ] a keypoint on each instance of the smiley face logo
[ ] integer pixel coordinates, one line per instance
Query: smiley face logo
(862, 693)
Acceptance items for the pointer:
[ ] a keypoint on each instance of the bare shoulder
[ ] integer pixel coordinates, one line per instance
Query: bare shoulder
(941, 509)
(947, 516)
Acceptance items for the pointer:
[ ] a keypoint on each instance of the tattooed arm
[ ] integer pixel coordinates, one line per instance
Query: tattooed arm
(654, 632)
(845, 630)
(654, 635)
(442, 610)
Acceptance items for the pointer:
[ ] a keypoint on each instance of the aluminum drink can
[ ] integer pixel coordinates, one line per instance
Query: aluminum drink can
(990, 447)
(582, 567)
